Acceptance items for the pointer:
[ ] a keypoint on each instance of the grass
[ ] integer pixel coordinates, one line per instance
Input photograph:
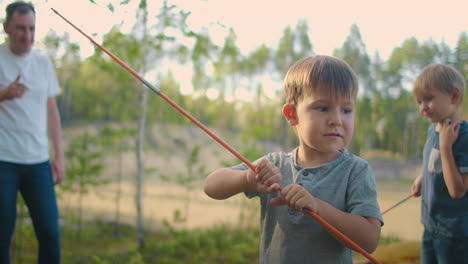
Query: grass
(98, 242)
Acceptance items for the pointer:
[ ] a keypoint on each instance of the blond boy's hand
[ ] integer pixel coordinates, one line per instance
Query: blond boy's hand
(448, 133)
(298, 198)
(266, 177)
(416, 187)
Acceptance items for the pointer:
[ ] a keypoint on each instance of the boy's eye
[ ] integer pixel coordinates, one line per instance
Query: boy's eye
(428, 99)
(322, 108)
(347, 111)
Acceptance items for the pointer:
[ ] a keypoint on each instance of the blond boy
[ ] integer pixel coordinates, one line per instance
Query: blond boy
(443, 183)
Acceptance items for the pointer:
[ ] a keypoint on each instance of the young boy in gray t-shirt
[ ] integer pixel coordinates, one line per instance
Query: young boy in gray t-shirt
(319, 175)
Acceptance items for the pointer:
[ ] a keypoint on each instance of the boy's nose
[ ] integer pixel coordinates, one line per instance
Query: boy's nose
(422, 107)
(334, 119)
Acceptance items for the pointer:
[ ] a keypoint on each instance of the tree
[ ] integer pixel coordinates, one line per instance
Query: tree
(461, 62)
(227, 64)
(67, 67)
(293, 46)
(114, 142)
(84, 168)
(355, 54)
(202, 53)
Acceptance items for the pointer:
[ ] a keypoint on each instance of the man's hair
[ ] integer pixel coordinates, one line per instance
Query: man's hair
(317, 74)
(20, 7)
(441, 77)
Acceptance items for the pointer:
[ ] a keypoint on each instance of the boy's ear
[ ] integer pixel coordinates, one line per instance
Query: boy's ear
(456, 96)
(289, 113)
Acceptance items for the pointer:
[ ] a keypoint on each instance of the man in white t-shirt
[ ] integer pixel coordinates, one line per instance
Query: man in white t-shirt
(28, 118)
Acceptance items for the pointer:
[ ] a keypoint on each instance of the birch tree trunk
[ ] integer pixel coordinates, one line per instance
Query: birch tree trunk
(141, 136)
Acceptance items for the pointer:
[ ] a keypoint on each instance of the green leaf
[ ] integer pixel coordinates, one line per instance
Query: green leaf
(110, 7)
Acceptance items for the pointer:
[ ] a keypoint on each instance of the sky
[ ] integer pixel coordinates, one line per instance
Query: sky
(384, 25)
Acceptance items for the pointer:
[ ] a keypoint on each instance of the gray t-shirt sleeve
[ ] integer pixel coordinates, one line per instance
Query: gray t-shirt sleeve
(362, 192)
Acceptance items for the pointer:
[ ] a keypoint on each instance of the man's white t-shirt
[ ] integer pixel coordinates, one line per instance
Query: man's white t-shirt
(23, 121)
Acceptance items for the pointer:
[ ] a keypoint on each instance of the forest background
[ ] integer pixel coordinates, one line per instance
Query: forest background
(125, 142)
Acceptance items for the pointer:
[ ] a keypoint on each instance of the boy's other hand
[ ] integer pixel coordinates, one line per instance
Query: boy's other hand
(416, 187)
(297, 197)
(266, 177)
(448, 133)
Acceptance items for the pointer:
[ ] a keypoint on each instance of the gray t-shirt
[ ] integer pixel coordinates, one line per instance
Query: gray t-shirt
(288, 236)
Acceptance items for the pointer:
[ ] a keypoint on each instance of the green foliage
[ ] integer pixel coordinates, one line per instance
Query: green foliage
(222, 244)
(195, 171)
(252, 152)
(84, 171)
(388, 240)
(219, 244)
(84, 159)
(97, 89)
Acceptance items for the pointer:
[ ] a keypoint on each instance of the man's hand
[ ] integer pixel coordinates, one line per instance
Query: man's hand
(15, 90)
(58, 170)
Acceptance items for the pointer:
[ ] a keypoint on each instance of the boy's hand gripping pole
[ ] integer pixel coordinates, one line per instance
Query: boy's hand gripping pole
(330, 228)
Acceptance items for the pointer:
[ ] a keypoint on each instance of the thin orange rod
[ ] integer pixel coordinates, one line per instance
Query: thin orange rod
(397, 204)
(321, 221)
(176, 106)
(338, 234)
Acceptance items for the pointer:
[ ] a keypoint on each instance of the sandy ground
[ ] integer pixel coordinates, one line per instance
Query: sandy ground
(403, 221)
(160, 203)
(169, 146)
(162, 200)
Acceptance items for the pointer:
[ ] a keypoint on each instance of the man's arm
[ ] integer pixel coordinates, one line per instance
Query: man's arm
(55, 135)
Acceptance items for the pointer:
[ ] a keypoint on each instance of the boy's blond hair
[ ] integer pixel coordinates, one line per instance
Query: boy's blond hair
(317, 74)
(441, 77)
